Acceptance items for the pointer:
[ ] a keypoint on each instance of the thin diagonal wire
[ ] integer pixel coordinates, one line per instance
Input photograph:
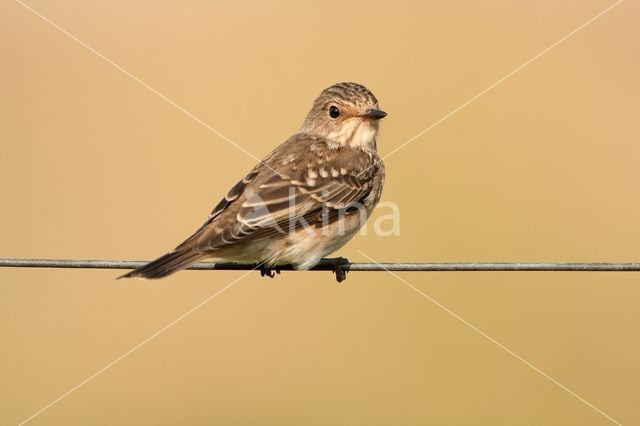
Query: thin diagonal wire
(502, 79)
(494, 341)
(328, 265)
(136, 347)
(138, 80)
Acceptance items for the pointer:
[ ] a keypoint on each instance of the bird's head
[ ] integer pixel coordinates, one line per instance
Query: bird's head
(346, 114)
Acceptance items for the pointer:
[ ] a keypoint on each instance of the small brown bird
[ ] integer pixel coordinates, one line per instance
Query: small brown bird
(306, 199)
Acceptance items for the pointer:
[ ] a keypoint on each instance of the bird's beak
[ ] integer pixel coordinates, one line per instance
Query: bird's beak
(375, 114)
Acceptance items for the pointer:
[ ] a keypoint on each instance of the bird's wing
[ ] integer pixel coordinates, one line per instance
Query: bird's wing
(304, 181)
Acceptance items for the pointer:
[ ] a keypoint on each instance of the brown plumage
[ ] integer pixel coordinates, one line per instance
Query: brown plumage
(306, 199)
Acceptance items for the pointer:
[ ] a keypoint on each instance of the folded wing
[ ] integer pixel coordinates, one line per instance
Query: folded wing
(305, 182)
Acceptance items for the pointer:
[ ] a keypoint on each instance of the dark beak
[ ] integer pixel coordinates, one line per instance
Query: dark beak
(375, 114)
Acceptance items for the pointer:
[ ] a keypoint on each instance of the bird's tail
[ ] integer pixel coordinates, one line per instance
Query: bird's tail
(167, 264)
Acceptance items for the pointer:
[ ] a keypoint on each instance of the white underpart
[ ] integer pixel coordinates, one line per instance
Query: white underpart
(302, 248)
(306, 247)
(355, 132)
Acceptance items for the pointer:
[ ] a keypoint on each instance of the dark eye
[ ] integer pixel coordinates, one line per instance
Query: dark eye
(334, 112)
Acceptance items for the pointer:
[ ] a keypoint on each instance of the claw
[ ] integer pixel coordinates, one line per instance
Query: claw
(340, 267)
(265, 272)
(268, 272)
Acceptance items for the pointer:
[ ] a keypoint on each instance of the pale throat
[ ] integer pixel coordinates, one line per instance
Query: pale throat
(356, 133)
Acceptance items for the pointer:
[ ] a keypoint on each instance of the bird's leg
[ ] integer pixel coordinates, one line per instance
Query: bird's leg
(340, 267)
(268, 272)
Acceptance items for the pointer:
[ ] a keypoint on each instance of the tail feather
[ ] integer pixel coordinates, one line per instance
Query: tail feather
(166, 265)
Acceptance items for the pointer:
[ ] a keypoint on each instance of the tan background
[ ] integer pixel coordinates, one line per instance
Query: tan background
(542, 168)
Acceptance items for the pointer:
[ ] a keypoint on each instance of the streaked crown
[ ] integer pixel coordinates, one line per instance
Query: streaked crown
(348, 93)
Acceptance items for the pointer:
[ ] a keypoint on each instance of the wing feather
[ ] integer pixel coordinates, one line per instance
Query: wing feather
(292, 187)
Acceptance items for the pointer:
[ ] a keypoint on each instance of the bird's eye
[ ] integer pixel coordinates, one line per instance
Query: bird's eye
(334, 112)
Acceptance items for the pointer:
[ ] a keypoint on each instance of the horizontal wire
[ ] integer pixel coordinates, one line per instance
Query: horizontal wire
(328, 265)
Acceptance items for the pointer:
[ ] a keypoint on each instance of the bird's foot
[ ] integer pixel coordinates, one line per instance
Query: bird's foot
(340, 267)
(268, 272)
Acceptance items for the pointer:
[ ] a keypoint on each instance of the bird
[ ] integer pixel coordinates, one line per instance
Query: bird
(303, 201)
